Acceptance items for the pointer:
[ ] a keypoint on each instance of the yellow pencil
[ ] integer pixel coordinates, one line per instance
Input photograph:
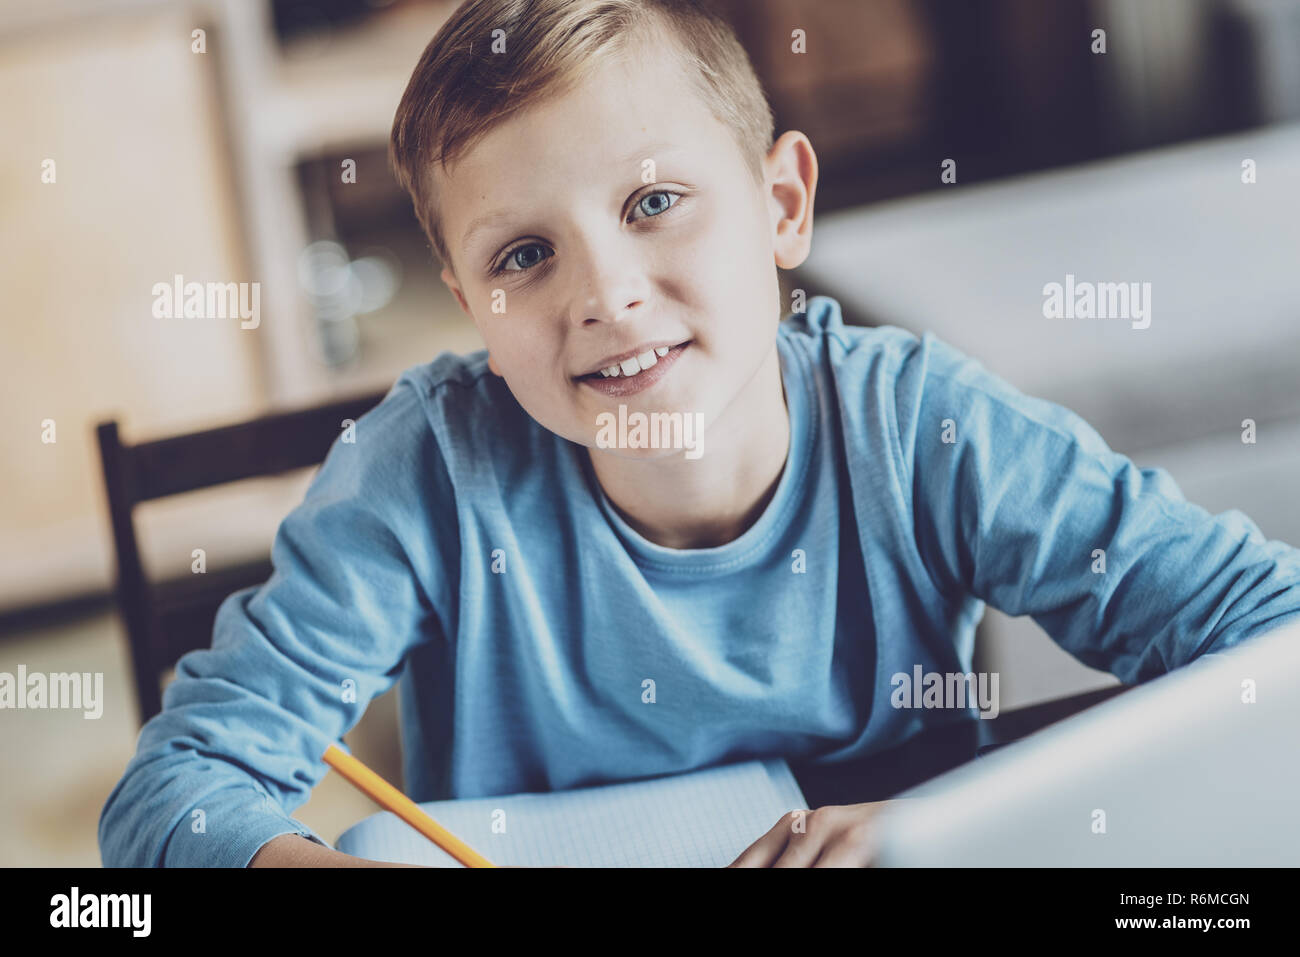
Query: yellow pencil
(394, 800)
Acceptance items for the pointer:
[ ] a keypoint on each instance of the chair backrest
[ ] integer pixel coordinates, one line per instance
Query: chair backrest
(165, 620)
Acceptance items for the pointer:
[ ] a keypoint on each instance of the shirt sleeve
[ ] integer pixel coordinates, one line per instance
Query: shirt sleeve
(358, 581)
(1020, 503)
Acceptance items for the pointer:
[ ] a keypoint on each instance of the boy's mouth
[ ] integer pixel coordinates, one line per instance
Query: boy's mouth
(634, 372)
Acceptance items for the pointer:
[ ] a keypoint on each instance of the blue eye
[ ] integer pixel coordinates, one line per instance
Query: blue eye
(657, 207)
(524, 263)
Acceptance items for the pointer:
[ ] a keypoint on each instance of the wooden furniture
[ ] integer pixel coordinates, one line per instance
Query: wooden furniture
(167, 619)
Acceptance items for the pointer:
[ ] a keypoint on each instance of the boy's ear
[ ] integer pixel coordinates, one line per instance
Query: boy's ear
(792, 177)
(449, 278)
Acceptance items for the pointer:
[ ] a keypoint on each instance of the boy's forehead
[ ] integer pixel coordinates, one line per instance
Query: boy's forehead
(620, 114)
(620, 103)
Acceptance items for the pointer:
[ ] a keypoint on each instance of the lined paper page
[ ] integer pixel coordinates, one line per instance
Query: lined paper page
(701, 819)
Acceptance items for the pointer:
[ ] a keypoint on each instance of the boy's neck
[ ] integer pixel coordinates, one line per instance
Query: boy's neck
(678, 502)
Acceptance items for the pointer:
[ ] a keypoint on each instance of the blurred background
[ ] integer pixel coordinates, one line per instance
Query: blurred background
(254, 149)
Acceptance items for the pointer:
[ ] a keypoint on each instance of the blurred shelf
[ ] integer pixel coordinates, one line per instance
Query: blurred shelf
(342, 88)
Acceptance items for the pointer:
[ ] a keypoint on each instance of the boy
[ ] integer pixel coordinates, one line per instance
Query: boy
(572, 604)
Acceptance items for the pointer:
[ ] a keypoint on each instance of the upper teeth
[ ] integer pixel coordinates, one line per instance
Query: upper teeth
(636, 363)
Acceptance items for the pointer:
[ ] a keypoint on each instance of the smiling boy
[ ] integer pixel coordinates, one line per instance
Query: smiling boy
(618, 267)
(600, 183)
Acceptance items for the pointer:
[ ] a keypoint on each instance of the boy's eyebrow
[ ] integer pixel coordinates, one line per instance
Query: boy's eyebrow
(650, 151)
(636, 156)
(482, 223)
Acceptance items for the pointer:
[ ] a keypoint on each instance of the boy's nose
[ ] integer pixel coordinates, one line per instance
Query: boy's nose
(610, 285)
(611, 296)
(600, 312)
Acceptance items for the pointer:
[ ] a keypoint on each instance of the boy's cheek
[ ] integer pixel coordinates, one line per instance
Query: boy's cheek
(541, 387)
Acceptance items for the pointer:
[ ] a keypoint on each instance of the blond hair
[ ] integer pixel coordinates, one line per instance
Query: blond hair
(460, 91)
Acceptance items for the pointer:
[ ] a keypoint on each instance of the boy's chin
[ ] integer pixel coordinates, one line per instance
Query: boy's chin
(630, 434)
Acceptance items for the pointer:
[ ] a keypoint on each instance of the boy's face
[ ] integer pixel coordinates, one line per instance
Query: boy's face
(596, 263)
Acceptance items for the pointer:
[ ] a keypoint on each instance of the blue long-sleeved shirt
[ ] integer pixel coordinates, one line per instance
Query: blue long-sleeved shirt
(544, 644)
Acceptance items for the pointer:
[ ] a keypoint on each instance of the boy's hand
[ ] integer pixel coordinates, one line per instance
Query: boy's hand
(832, 836)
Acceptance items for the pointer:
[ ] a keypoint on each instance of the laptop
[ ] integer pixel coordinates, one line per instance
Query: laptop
(1200, 767)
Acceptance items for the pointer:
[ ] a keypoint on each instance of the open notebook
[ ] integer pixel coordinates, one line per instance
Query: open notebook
(701, 819)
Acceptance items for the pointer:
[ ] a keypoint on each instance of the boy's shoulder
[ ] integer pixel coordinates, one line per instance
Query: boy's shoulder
(911, 376)
(451, 386)
(883, 349)
(453, 402)
(437, 429)
(898, 373)
(450, 370)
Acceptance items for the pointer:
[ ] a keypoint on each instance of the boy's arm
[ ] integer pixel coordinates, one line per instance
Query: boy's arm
(294, 663)
(1020, 503)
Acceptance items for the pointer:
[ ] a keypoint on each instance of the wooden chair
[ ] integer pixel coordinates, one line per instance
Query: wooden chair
(165, 620)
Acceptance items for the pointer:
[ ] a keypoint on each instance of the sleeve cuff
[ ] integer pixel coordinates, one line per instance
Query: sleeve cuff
(232, 841)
